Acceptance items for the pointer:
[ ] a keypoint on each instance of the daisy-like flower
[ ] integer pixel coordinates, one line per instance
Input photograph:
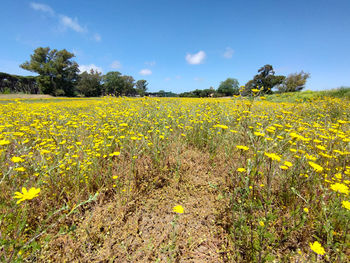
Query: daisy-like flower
(317, 248)
(27, 195)
(242, 147)
(273, 156)
(178, 209)
(346, 204)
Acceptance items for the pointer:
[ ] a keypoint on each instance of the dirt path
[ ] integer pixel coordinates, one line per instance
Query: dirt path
(146, 232)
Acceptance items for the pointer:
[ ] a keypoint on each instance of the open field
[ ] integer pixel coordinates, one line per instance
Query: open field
(259, 181)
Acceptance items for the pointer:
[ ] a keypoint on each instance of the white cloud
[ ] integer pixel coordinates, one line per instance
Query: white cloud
(116, 64)
(66, 21)
(145, 72)
(195, 59)
(167, 79)
(87, 68)
(228, 52)
(198, 79)
(150, 63)
(97, 37)
(42, 7)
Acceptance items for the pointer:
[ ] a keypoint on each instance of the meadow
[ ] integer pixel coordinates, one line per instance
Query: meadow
(175, 180)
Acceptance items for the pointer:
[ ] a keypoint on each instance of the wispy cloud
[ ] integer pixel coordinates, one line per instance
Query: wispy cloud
(150, 63)
(145, 72)
(42, 7)
(198, 79)
(97, 37)
(195, 59)
(87, 68)
(65, 21)
(116, 64)
(228, 53)
(73, 24)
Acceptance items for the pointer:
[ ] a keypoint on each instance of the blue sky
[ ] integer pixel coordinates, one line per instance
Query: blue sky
(185, 45)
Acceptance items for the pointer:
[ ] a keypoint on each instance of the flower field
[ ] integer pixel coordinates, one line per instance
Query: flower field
(271, 178)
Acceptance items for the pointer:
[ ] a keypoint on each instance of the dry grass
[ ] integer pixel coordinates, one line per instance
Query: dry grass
(138, 228)
(24, 96)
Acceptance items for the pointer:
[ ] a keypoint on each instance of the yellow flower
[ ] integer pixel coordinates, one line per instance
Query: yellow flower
(27, 195)
(178, 209)
(259, 134)
(289, 164)
(306, 210)
(221, 126)
(4, 142)
(316, 167)
(273, 156)
(317, 248)
(242, 147)
(346, 204)
(114, 154)
(261, 223)
(16, 159)
(341, 188)
(241, 170)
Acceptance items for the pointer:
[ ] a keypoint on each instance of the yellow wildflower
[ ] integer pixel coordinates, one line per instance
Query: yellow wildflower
(273, 156)
(341, 188)
(178, 209)
(27, 195)
(242, 147)
(317, 248)
(346, 204)
(316, 167)
(16, 159)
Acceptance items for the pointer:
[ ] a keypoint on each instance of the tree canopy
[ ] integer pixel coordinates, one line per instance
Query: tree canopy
(229, 87)
(294, 82)
(264, 81)
(57, 72)
(89, 84)
(141, 87)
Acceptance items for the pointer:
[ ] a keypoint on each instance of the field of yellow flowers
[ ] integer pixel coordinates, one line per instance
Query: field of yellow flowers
(174, 180)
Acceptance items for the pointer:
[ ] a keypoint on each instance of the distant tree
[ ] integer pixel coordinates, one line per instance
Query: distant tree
(264, 81)
(141, 87)
(161, 93)
(229, 87)
(89, 84)
(128, 84)
(57, 72)
(294, 82)
(117, 84)
(112, 83)
(206, 93)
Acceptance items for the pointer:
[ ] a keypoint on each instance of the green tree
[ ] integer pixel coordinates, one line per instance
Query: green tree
(57, 72)
(294, 82)
(229, 87)
(117, 84)
(265, 81)
(141, 87)
(112, 83)
(128, 84)
(89, 84)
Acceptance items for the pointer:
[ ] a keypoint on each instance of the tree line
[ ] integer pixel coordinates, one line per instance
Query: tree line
(263, 83)
(59, 75)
